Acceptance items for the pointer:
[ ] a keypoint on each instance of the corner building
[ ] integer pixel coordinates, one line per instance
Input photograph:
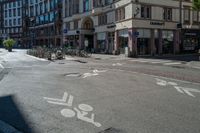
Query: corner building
(11, 20)
(137, 27)
(44, 23)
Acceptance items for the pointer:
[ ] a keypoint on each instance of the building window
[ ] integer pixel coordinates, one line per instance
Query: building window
(195, 16)
(67, 25)
(31, 11)
(5, 13)
(14, 12)
(10, 13)
(146, 12)
(19, 21)
(120, 14)
(41, 8)
(85, 5)
(103, 19)
(10, 22)
(167, 14)
(76, 24)
(19, 11)
(14, 22)
(14, 4)
(186, 14)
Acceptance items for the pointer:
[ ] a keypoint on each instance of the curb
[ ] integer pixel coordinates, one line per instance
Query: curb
(36, 58)
(6, 128)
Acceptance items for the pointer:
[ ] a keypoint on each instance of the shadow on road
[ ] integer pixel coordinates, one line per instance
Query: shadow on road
(11, 114)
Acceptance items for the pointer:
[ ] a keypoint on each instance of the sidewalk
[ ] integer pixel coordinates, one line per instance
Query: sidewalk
(194, 64)
(106, 56)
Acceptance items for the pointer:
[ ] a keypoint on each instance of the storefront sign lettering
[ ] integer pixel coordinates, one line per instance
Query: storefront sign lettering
(111, 26)
(190, 34)
(65, 30)
(157, 23)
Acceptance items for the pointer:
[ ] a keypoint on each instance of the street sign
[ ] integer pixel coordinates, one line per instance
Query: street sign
(136, 34)
(65, 31)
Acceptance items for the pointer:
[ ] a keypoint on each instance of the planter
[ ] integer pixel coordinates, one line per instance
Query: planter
(9, 49)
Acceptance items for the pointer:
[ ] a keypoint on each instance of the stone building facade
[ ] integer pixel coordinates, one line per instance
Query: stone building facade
(43, 23)
(11, 20)
(136, 27)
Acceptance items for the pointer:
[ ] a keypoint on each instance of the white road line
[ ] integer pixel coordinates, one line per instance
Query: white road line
(160, 62)
(190, 94)
(1, 66)
(154, 76)
(172, 63)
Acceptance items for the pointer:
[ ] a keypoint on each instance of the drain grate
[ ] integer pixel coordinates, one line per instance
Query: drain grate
(111, 130)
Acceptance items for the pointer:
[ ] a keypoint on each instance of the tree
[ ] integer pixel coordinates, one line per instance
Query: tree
(196, 6)
(8, 44)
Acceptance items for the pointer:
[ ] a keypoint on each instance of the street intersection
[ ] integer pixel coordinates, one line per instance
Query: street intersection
(90, 95)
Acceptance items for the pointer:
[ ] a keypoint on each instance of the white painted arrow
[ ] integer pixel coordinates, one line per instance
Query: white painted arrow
(64, 101)
(187, 91)
(99, 71)
(117, 64)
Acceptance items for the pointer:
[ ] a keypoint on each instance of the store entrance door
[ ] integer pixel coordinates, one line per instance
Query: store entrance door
(89, 42)
(143, 46)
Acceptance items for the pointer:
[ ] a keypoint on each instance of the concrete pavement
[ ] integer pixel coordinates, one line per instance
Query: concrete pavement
(98, 96)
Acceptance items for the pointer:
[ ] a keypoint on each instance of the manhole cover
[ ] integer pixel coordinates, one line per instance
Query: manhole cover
(72, 75)
(111, 130)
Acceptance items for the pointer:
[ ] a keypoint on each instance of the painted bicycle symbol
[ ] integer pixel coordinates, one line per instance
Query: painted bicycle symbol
(82, 112)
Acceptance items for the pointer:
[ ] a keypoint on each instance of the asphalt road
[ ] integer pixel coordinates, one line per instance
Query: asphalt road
(79, 95)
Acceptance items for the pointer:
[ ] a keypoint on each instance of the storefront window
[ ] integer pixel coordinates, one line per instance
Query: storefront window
(168, 42)
(190, 41)
(156, 36)
(123, 40)
(101, 41)
(143, 41)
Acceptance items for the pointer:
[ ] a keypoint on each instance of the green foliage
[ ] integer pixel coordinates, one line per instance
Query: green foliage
(196, 5)
(9, 43)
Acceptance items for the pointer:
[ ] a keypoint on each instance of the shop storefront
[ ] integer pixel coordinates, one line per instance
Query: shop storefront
(71, 41)
(111, 38)
(123, 40)
(190, 41)
(101, 42)
(167, 42)
(143, 42)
